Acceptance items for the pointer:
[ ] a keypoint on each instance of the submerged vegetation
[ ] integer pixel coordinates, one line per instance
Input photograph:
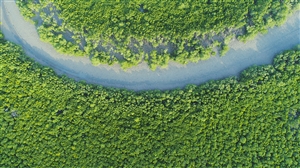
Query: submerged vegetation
(154, 31)
(52, 121)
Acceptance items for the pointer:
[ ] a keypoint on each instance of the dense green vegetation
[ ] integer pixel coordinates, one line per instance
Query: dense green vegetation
(154, 31)
(52, 121)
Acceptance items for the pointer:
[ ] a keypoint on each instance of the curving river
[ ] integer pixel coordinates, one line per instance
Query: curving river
(259, 51)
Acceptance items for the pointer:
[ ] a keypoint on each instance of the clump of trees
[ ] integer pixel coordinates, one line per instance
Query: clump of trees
(52, 121)
(136, 29)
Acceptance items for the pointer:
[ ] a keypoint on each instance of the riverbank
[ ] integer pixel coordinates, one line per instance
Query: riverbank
(259, 51)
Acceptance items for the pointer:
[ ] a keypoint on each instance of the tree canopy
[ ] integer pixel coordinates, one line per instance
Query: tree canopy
(52, 121)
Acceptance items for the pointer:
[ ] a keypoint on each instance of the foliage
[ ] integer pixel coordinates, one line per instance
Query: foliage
(224, 49)
(52, 121)
(138, 27)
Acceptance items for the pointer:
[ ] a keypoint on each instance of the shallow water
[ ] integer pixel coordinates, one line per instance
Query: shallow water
(259, 51)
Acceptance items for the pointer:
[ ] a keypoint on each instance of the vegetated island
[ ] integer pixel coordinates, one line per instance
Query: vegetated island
(52, 121)
(156, 31)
